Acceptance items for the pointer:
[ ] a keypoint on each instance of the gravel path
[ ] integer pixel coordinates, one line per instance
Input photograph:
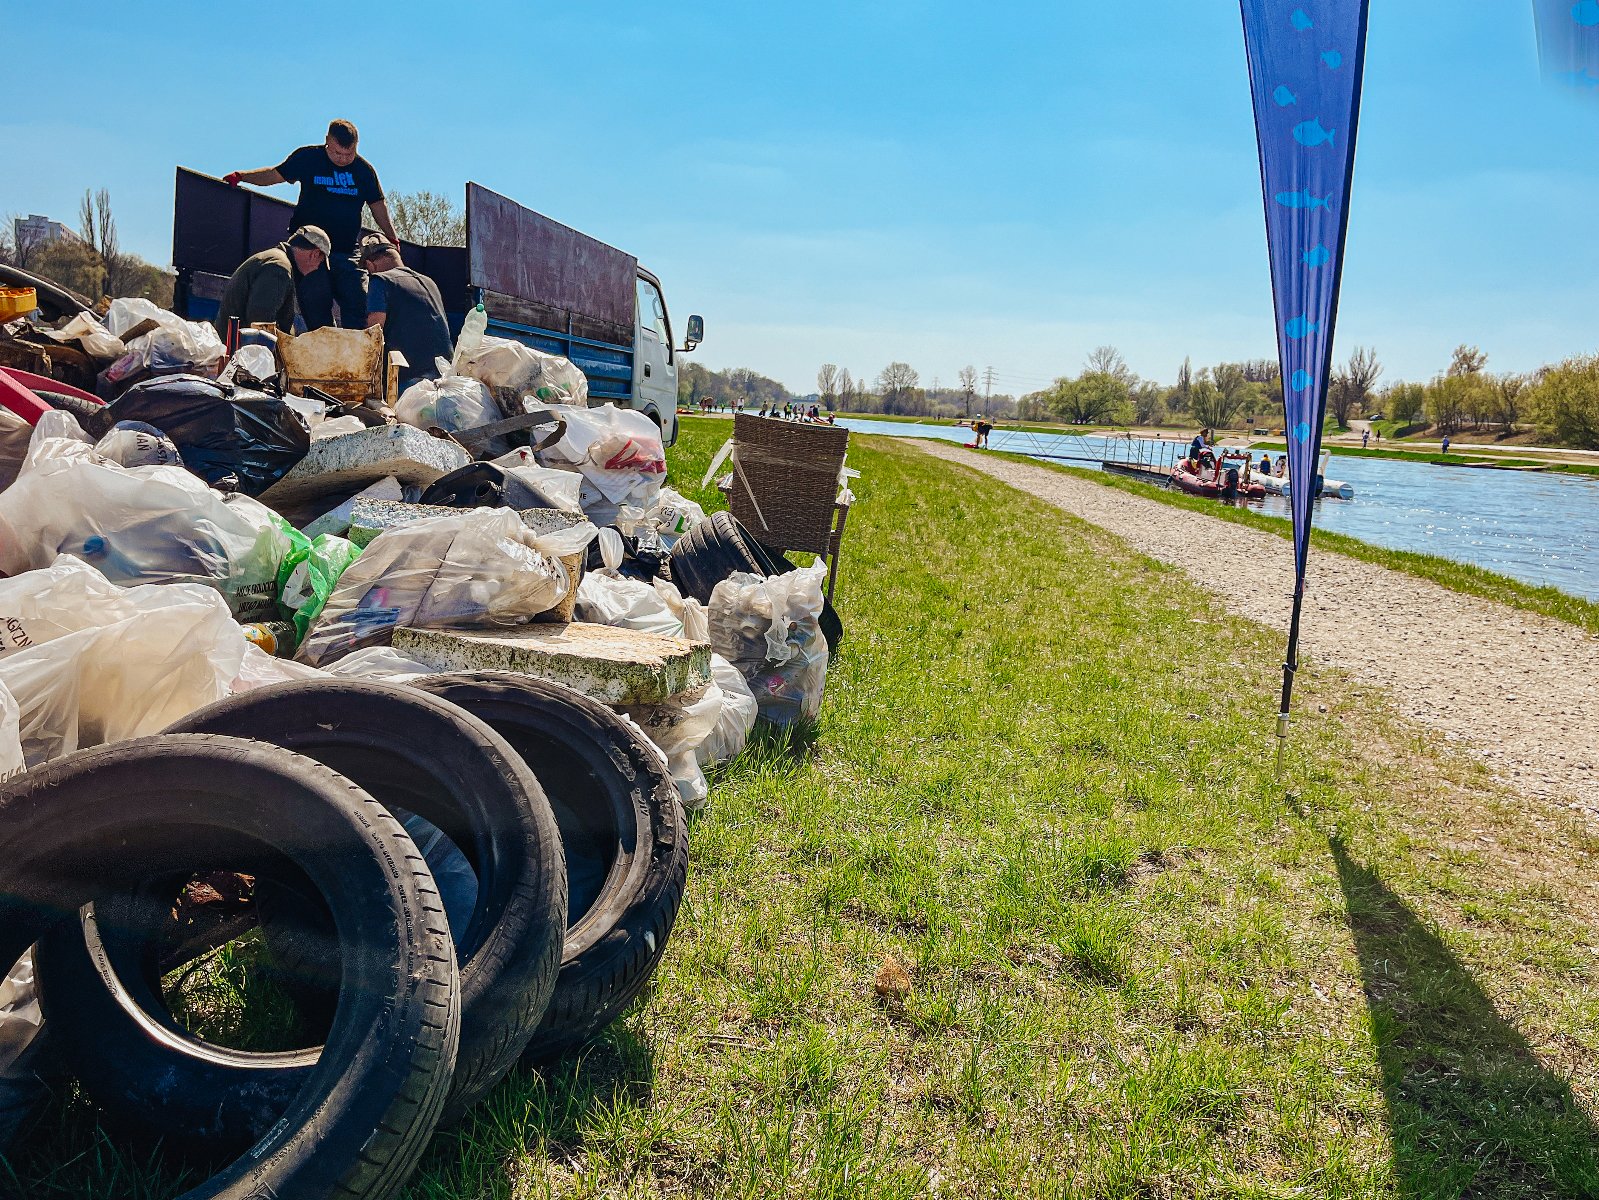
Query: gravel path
(1516, 687)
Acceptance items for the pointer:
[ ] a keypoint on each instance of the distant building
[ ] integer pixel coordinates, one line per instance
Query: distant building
(34, 230)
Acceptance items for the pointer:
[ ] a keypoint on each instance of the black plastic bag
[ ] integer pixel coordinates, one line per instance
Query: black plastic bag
(234, 438)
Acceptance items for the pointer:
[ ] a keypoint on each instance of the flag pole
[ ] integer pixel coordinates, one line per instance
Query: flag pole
(1290, 666)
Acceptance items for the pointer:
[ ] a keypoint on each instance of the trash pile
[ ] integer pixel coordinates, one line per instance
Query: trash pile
(466, 629)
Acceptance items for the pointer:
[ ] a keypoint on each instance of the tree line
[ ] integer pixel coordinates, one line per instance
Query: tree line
(93, 263)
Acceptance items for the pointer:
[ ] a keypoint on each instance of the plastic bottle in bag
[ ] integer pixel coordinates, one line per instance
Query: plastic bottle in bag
(472, 330)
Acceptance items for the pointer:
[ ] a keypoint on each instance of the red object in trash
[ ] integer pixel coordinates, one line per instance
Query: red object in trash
(21, 400)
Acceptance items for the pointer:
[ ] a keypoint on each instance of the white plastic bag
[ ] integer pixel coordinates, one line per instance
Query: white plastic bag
(380, 662)
(731, 733)
(93, 338)
(617, 450)
(696, 621)
(116, 666)
(677, 728)
(135, 444)
(557, 488)
(174, 346)
(481, 567)
(336, 427)
(258, 363)
(673, 514)
(605, 597)
(770, 629)
(156, 524)
(11, 760)
(521, 378)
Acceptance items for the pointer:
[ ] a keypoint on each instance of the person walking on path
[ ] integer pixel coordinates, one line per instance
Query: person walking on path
(335, 181)
(261, 291)
(1365, 437)
(1445, 444)
(407, 306)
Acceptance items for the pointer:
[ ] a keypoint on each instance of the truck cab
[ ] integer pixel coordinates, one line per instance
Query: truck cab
(541, 282)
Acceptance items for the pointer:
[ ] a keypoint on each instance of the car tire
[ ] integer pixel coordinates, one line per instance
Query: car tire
(89, 825)
(625, 836)
(414, 753)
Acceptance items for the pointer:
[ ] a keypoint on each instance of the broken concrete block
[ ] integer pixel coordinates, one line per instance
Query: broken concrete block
(337, 520)
(370, 516)
(615, 666)
(352, 461)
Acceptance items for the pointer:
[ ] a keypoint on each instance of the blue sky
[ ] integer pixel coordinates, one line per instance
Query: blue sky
(996, 184)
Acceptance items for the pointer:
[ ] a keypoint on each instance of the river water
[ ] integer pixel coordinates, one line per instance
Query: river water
(1536, 527)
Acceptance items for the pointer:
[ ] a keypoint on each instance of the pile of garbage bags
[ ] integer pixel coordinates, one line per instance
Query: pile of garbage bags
(165, 631)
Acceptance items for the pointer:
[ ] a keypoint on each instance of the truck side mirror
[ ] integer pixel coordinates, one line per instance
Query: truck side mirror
(696, 333)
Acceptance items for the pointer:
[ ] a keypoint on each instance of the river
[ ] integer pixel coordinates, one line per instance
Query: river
(1536, 527)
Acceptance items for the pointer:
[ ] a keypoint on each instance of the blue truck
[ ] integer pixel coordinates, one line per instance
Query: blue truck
(541, 282)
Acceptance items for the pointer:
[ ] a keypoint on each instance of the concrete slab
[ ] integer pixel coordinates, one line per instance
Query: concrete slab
(615, 666)
(370, 516)
(353, 460)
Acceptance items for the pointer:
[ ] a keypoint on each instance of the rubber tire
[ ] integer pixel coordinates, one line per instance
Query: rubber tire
(408, 750)
(718, 547)
(593, 764)
(81, 828)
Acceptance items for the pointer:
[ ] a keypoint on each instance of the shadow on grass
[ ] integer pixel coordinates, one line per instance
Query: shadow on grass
(1472, 1111)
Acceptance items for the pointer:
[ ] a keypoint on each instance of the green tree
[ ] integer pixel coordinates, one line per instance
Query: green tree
(426, 218)
(71, 263)
(898, 382)
(1565, 403)
(1149, 404)
(1404, 402)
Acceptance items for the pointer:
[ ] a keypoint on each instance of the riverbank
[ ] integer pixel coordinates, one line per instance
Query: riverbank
(1510, 684)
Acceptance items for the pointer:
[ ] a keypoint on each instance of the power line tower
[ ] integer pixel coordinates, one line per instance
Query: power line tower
(988, 389)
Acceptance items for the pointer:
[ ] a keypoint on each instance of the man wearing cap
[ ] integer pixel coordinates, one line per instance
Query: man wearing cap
(262, 289)
(335, 181)
(408, 307)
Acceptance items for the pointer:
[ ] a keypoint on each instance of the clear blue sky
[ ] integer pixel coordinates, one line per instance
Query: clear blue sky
(943, 183)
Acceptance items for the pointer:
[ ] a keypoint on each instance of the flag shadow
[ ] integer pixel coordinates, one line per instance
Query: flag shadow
(1472, 1111)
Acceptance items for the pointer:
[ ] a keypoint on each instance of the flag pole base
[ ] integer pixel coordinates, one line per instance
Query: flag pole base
(1282, 740)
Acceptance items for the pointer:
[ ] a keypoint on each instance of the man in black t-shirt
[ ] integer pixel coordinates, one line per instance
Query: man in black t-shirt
(408, 306)
(335, 182)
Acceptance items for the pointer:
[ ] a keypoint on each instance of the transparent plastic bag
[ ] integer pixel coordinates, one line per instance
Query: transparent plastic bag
(451, 403)
(770, 629)
(138, 525)
(731, 733)
(677, 728)
(134, 663)
(617, 450)
(482, 567)
(605, 597)
(259, 364)
(556, 488)
(11, 760)
(308, 574)
(93, 338)
(521, 378)
(380, 662)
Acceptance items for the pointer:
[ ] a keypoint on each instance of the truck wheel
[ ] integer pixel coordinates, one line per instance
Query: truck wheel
(91, 825)
(412, 752)
(625, 836)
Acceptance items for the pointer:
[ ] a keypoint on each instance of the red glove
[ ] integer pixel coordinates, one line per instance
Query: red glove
(232, 178)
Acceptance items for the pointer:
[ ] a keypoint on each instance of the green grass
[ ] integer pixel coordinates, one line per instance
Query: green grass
(1139, 965)
(1446, 572)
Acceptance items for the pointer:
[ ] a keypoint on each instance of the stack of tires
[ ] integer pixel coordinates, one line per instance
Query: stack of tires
(429, 883)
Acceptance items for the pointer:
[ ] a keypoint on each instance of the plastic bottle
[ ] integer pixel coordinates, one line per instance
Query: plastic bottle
(277, 638)
(471, 334)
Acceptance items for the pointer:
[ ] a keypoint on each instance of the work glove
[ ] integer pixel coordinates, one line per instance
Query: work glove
(232, 178)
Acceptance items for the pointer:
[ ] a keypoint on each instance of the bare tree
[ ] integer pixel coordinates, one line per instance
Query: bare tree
(427, 218)
(827, 384)
(124, 273)
(1466, 360)
(1181, 397)
(968, 385)
(846, 389)
(1107, 360)
(898, 382)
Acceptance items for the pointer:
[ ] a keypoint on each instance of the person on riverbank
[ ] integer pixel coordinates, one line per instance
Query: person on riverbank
(1200, 444)
(1445, 444)
(1365, 437)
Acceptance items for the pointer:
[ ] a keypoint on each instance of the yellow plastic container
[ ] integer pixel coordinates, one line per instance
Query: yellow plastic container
(16, 301)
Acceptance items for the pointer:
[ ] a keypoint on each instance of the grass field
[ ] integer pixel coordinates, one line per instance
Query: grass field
(1029, 914)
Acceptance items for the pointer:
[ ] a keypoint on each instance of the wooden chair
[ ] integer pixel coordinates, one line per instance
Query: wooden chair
(788, 486)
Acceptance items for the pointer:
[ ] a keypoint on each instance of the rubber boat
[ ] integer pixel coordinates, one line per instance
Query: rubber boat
(1337, 489)
(1227, 480)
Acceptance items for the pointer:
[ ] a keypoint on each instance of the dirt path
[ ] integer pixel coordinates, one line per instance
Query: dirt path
(1518, 688)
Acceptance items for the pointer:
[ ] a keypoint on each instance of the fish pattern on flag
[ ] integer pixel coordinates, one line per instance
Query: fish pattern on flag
(1306, 59)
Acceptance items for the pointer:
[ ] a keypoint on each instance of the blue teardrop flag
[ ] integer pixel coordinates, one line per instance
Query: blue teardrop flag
(1568, 44)
(1314, 50)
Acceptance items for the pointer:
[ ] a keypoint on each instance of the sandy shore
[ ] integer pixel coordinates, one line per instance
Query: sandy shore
(1515, 687)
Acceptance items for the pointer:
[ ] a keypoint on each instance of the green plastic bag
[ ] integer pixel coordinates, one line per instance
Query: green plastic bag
(308, 574)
